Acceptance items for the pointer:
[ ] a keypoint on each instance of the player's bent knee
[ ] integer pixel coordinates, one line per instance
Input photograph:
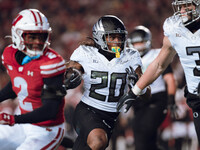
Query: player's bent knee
(97, 144)
(97, 139)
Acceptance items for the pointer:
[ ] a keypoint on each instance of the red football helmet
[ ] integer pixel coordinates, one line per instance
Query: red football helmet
(30, 22)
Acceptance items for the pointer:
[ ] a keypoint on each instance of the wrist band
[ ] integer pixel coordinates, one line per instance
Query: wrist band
(137, 91)
(143, 91)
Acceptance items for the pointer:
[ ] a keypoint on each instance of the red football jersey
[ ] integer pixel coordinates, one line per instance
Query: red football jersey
(27, 80)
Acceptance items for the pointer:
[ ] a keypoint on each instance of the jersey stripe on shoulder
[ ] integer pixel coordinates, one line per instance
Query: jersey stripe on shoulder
(2, 59)
(53, 68)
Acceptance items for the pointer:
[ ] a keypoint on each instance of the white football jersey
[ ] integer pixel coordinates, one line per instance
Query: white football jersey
(159, 84)
(187, 46)
(104, 81)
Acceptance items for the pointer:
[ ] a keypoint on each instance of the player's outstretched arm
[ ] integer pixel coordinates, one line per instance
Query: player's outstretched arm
(52, 96)
(156, 68)
(153, 71)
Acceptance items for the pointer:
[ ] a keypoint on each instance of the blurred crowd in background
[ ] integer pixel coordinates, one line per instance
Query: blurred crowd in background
(72, 22)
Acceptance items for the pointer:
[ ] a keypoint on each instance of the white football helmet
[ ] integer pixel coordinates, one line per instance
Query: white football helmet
(30, 21)
(138, 35)
(195, 14)
(108, 25)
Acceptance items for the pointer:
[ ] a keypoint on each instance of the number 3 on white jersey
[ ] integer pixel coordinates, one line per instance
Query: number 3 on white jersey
(19, 82)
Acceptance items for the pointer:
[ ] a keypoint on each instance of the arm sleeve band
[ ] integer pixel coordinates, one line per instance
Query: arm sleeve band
(137, 91)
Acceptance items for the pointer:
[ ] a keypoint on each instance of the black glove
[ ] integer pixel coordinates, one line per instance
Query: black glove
(172, 107)
(132, 77)
(72, 78)
(126, 100)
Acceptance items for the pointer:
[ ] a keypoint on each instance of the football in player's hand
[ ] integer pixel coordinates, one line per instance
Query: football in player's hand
(72, 78)
(69, 73)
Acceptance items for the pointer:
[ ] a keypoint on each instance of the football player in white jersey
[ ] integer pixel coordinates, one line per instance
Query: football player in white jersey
(152, 111)
(181, 36)
(103, 61)
(36, 79)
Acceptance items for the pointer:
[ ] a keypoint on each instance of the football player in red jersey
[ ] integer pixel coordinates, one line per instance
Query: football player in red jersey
(36, 80)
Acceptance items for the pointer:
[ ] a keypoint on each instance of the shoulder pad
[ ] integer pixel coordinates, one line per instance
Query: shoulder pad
(132, 55)
(8, 54)
(83, 52)
(171, 23)
(131, 51)
(52, 67)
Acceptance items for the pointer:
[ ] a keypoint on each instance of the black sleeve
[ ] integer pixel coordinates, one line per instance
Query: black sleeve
(167, 70)
(19, 56)
(50, 107)
(7, 92)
